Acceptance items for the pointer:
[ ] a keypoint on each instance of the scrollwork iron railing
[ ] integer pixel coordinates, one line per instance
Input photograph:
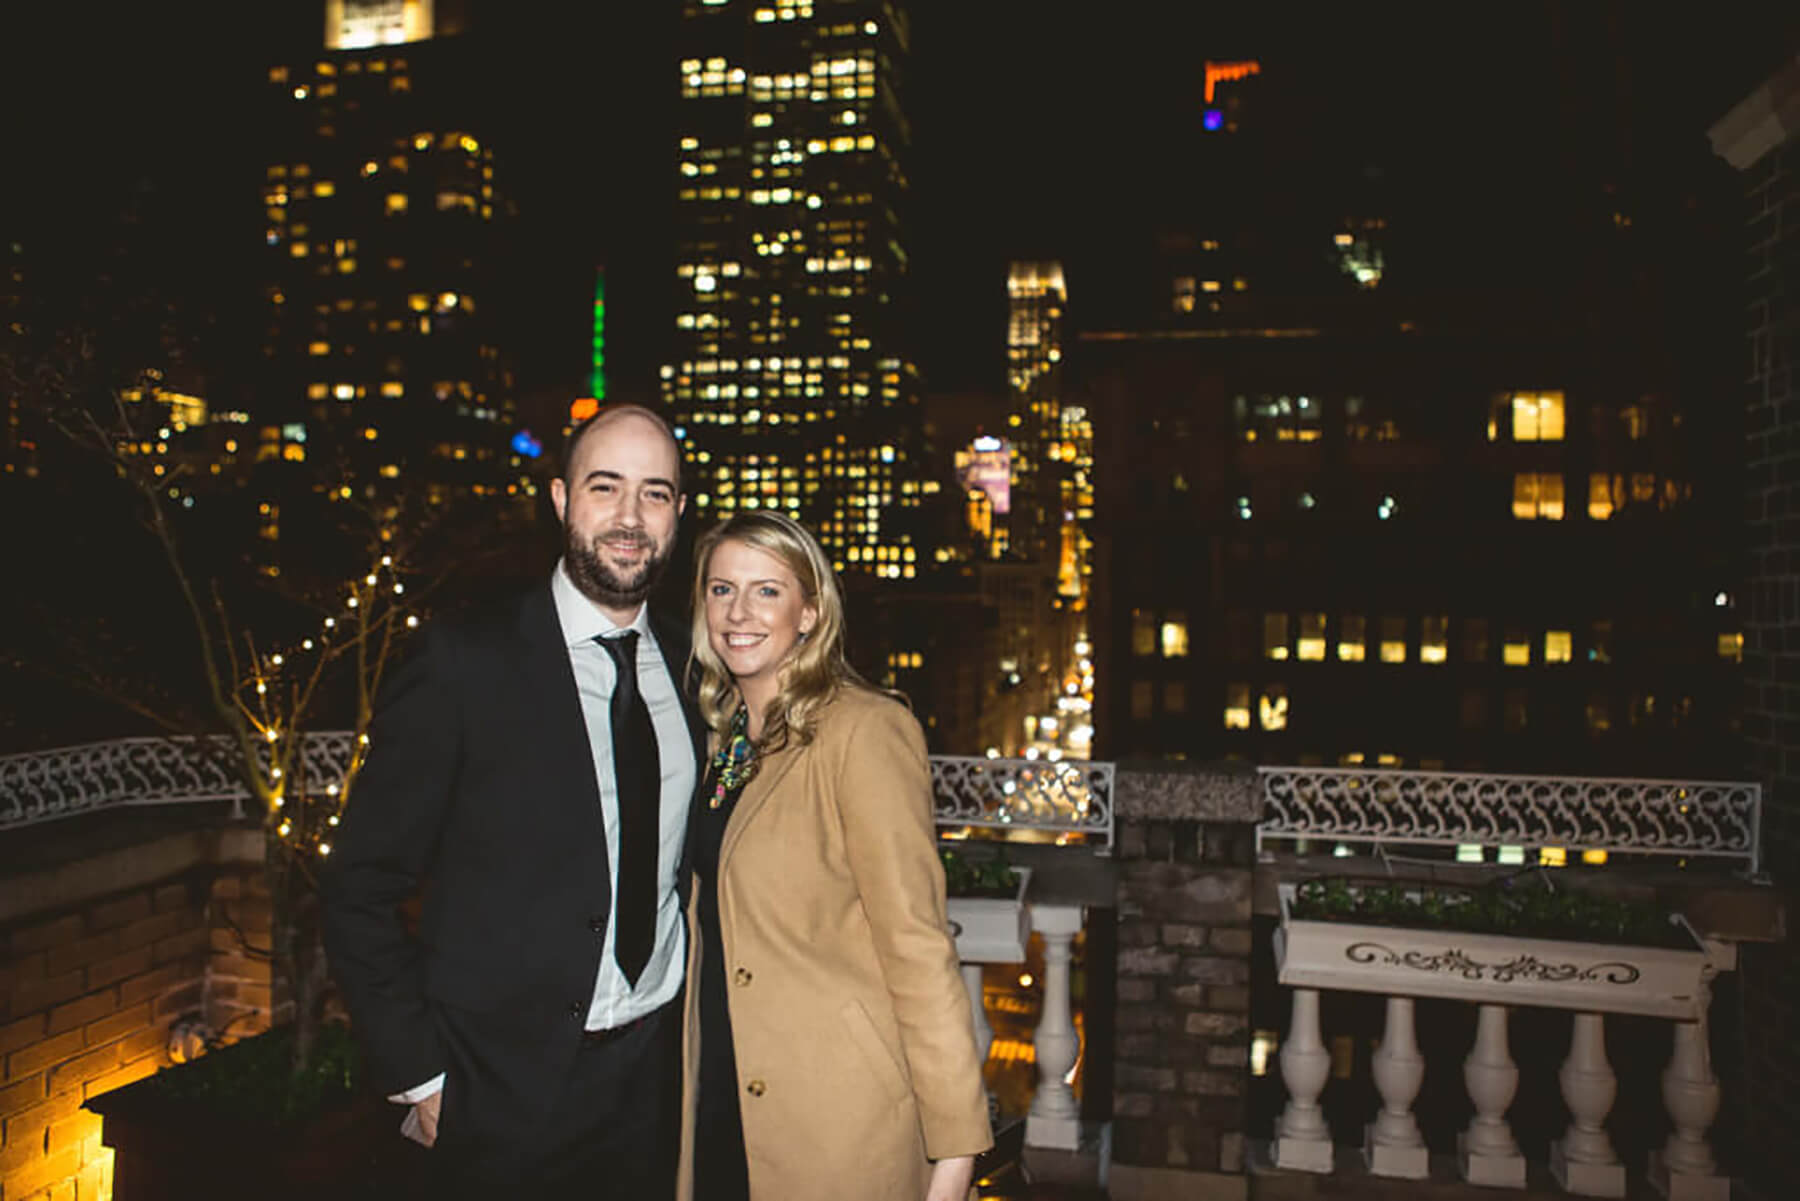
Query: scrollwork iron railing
(1020, 794)
(1698, 819)
(39, 786)
(1064, 796)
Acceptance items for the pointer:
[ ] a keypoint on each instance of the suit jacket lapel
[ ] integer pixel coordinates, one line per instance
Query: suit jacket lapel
(550, 677)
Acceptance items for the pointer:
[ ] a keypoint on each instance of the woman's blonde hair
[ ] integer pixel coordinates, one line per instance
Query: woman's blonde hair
(815, 668)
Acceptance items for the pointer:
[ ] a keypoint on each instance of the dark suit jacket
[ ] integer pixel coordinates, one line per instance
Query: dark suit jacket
(479, 788)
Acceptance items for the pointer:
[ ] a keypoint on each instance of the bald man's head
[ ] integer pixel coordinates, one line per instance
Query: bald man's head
(596, 426)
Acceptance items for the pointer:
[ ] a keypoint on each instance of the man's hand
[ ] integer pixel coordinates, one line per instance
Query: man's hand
(950, 1178)
(427, 1111)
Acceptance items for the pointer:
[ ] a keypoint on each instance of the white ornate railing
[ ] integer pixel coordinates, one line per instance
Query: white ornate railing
(1706, 819)
(1072, 796)
(40, 786)
(1034, 794)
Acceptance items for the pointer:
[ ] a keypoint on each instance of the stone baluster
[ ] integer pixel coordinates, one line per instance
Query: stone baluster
(1055, 1118)
(1392, 1144)
(1487, 1154)
(1302, 1139)
(984, 1033)
(1684, 1170)
(1583, 1160)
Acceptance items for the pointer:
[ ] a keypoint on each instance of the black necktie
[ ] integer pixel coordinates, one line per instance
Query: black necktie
(637, 771)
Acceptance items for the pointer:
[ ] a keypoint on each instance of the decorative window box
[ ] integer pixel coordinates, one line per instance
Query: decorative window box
(1492, 969)
(992, 929)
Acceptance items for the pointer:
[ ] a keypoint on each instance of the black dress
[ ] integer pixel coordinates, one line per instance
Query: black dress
(720, 1171)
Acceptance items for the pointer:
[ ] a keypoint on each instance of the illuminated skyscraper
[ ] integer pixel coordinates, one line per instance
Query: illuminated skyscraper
(1036, 298)
(379, 240)
(791, 377)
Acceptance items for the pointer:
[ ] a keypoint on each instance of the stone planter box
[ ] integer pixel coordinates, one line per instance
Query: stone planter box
(1491, 969)
(992, 929)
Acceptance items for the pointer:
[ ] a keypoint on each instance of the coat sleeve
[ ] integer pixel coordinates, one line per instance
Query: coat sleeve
(383, 852)
(884, 796)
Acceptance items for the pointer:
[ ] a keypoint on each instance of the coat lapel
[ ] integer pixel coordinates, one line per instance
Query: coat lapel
(755, 797)
(550, 679)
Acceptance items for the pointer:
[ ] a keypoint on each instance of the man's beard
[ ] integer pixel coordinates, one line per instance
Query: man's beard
(599, 582)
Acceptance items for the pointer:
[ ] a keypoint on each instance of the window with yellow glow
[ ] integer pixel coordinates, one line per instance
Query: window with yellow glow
(1237, 706)
(1515, 651)
(1538, 496)
(1275, 635)
(1175, 636)
(1143, 632)
(1559, 646)
(1351, 639)
(1528, 417)
(1434, 639)
(1272, 709)
(1393, 640)
(1731, 647)
(1310, 646)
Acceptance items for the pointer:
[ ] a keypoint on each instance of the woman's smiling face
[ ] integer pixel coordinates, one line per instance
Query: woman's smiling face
(756, 613)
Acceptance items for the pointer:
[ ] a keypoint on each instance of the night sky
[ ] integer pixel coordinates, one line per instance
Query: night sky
(1041, 130)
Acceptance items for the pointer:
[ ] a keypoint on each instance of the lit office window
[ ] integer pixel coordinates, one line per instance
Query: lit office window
(1731, 647)
(1538, 496)
(1175, 636)
(1272, 709)
(1515, 650)
(1351, 639)
(1528, 417)
(1393, 640)
(1605, 494)
(1143, 632)
(1275, 635)
(1310, 646)
(1559, 646)
(1237, 706)
(1434, 639)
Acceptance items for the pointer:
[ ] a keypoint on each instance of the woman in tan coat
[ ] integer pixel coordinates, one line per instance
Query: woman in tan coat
(830, 1051)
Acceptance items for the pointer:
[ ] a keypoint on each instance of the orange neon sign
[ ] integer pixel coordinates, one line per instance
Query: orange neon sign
(583, 408)
(1217, 73)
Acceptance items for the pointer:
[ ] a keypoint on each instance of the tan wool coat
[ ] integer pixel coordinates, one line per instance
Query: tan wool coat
(855, 1048)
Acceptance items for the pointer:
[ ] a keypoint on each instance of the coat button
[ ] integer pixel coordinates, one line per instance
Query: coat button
(741, 976)
(576, 1012)
(597, 925)
(754, 1088)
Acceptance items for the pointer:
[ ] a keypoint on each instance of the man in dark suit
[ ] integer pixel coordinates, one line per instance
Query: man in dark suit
(532, 771)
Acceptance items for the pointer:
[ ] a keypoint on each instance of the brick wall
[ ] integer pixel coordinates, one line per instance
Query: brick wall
(1772, 653)
(102, 955)
(1184, 941)
(1760, 138)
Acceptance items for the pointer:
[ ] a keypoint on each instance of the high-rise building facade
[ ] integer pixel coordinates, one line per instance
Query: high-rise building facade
(380, 244)
(792, 380)
(1036, 298)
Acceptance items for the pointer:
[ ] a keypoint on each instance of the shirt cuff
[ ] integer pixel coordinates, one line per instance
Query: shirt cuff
(413, 1096)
